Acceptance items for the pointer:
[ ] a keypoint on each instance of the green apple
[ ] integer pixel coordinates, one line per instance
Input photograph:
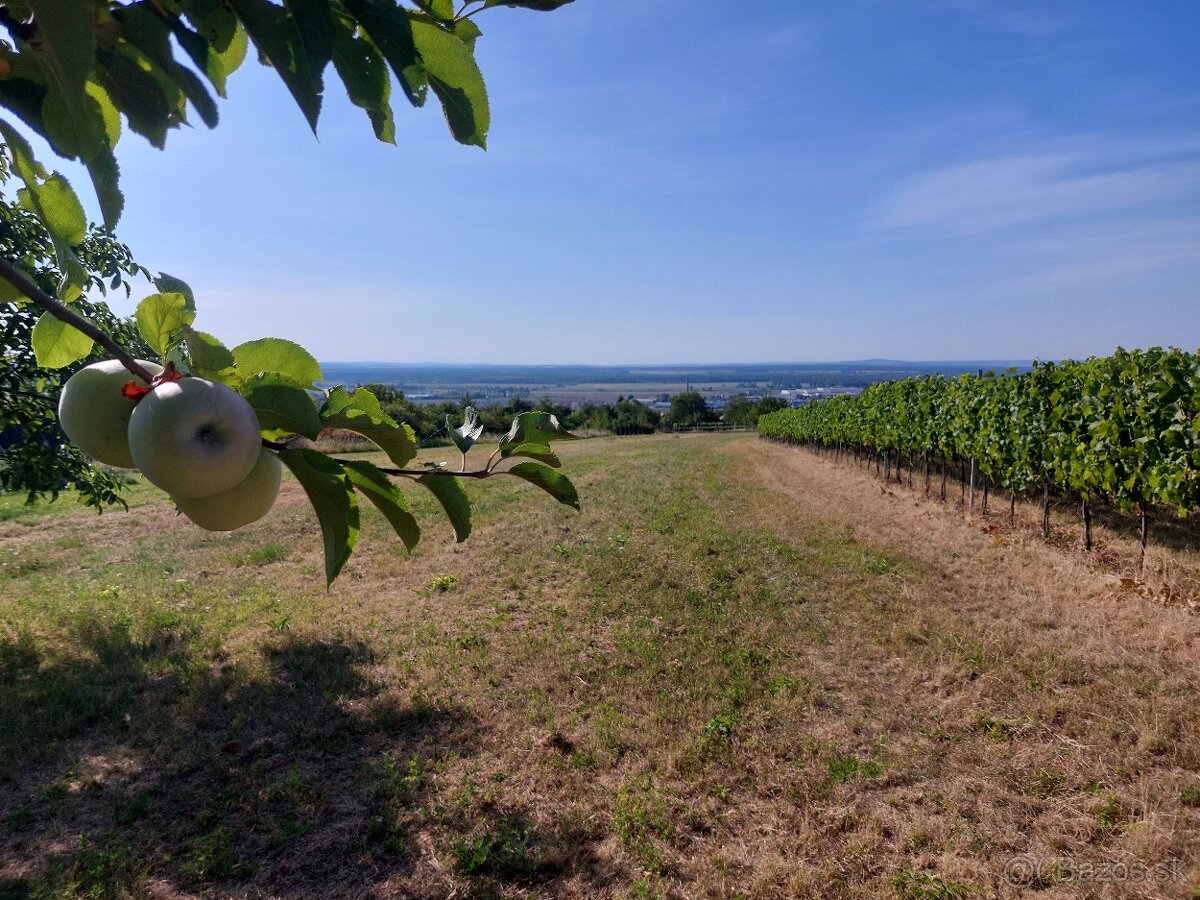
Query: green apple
(194, 437)
(247, 501)
(94, 412)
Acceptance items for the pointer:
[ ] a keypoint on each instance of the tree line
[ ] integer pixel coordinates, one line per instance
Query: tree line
(625, 416)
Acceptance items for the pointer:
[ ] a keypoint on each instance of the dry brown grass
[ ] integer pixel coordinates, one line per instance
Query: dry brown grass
(1057, 707)
(742, 671)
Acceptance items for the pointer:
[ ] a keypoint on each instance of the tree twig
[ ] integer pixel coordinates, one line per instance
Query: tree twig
(445, 473)
(64, 313)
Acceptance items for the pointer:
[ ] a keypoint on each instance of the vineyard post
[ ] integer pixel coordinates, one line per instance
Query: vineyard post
(971, 504)
(1087, 524)
(1046, 510)
(1145, 527)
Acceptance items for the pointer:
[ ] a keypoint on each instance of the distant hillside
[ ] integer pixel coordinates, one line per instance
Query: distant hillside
(441, 378)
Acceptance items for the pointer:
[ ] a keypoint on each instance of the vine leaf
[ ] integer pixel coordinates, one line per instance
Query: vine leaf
(328, 488)
(454, 501)
(375, 486)
(57, 344)
(553, 483)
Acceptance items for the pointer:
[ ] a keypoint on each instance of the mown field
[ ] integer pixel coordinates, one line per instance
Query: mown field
(741, 671)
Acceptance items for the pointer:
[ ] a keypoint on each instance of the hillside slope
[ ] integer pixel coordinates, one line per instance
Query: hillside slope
(742, 671)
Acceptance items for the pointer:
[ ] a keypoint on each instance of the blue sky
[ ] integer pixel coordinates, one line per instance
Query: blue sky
(672, 181)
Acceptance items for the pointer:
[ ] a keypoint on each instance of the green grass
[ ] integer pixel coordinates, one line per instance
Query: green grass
(610, 702)
(911, 885)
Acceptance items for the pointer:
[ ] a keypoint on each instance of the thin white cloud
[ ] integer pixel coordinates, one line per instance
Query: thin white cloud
(1000, 192)
(1005, 17)
(1103, 257)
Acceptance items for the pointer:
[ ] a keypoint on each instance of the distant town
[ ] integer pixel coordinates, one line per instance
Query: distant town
(653, 386)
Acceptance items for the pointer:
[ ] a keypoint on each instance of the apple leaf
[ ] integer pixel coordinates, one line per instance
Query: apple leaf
(50, 198)
(553, 483)
(66, 46)
(204, 55)
(276, 33)
(280, 357)
(534, 428)
(456, 79)
(204, 352)
(539, 5)
(364, 74)
(439, 9)
(109, 114)
(362, 400)
(105, 175)
(468, 32)
(57, 344)
(465, 437)
(170, 284)
(360, 412)
(55, 203)
(540, 452)
(328, 488)
(282, 407)
(389, 28)
(388, 499)
(454, 501)
(9, 292)
(161, 319)
(314, 24)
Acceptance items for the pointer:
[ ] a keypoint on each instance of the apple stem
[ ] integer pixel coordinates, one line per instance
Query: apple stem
(60, 310)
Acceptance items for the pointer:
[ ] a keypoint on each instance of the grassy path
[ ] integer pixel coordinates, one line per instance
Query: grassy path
(740, 672)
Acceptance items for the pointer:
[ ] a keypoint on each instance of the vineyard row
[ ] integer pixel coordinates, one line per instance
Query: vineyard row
(1121, 429)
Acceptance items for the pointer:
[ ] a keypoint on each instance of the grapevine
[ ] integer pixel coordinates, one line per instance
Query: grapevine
(1121, 429)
